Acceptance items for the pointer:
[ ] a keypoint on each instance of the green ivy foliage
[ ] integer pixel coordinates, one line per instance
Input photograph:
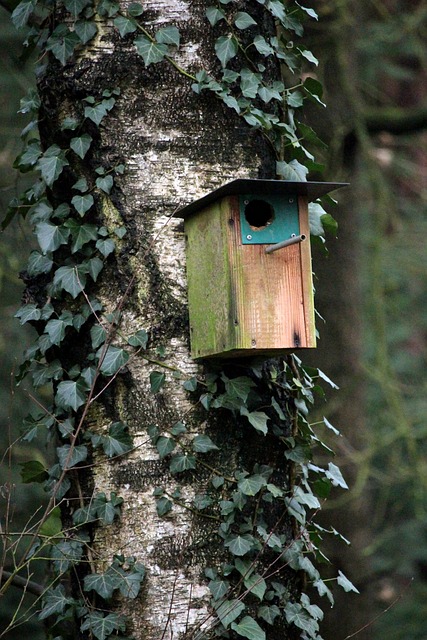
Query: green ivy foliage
(73, 249)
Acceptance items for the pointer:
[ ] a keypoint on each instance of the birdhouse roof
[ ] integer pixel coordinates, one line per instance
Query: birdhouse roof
(243, 186)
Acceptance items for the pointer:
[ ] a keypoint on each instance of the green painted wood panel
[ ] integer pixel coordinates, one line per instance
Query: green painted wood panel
(210, 296)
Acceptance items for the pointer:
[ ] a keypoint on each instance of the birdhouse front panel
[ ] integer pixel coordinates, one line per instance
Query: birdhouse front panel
(250, 289)
(273, 291)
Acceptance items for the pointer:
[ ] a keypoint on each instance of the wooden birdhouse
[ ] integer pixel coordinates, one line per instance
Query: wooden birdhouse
(250, 289)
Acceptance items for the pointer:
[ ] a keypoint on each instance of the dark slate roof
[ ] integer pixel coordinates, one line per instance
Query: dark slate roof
(312, 190)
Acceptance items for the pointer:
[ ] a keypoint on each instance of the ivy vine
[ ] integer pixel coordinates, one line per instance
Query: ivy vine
(74, 245)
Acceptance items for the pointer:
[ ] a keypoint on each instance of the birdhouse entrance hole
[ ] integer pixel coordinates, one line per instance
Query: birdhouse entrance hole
(269, 219)
(259, 214)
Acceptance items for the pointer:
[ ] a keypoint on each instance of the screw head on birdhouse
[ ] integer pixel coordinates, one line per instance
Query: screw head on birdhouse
(250, 288)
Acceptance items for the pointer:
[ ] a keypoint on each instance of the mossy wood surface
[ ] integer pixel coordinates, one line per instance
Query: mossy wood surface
(242, 301)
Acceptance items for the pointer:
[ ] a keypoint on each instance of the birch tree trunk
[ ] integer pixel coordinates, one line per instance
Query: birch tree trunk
(176, 146)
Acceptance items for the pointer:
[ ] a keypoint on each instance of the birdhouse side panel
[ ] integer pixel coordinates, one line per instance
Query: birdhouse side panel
(210, 299)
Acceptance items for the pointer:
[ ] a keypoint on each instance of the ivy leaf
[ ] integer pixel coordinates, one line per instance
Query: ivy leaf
(157, 380)
(314, 90)
(315, 214)
(33, 471)
(30, 156)
(38, 264)
(269, 614)
(62, 44)
(69, 123)
(106, 510)
(324, 377)
(135, 9)
(226, 48)
(218, 588)
(52, 526)
(165, 446)
(292, 170)
(125, 25)
(262, 46)
(105, 183)
(277, 9)
(27, 313)
(118, 440)
(296, 615)
(102, 626)
(50, 237)
(94, 267)
(294, 99)
(65, 554)
(252, 485)
(70, 394)
(335, 476)
(113, 359)
(243, 20)
(214, 15)
(203, 444)
(44, 373)
(56, 330)
(51, 164)
(258, 419)
(81, 185)
(168, 35)
(163, 506)
(105, 246)
(151, 52)
(182, 462)
(98, 335)
(229, 610)
(323, 590)
(308, 11)
(75, 6)
(178, 428)
(238, 387)
(239, 545)
(82, 234)
(82, 203)
(69, 456)
(86, 30)
(30, 102)
(256, 585)
(249, 628)
(249, 84)
(103, 584)
(130, 583)
(138, 339)
(308, 56)
(81, 145)
(22, 13)
(72, 279)
(330, 426)
(108, 8)
(54, 602)
(96, 113)
(345, 583)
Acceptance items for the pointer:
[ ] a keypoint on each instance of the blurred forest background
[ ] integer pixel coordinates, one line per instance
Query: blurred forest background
(371, 290)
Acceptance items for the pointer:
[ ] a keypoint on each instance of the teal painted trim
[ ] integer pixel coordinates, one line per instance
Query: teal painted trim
(283, 224)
